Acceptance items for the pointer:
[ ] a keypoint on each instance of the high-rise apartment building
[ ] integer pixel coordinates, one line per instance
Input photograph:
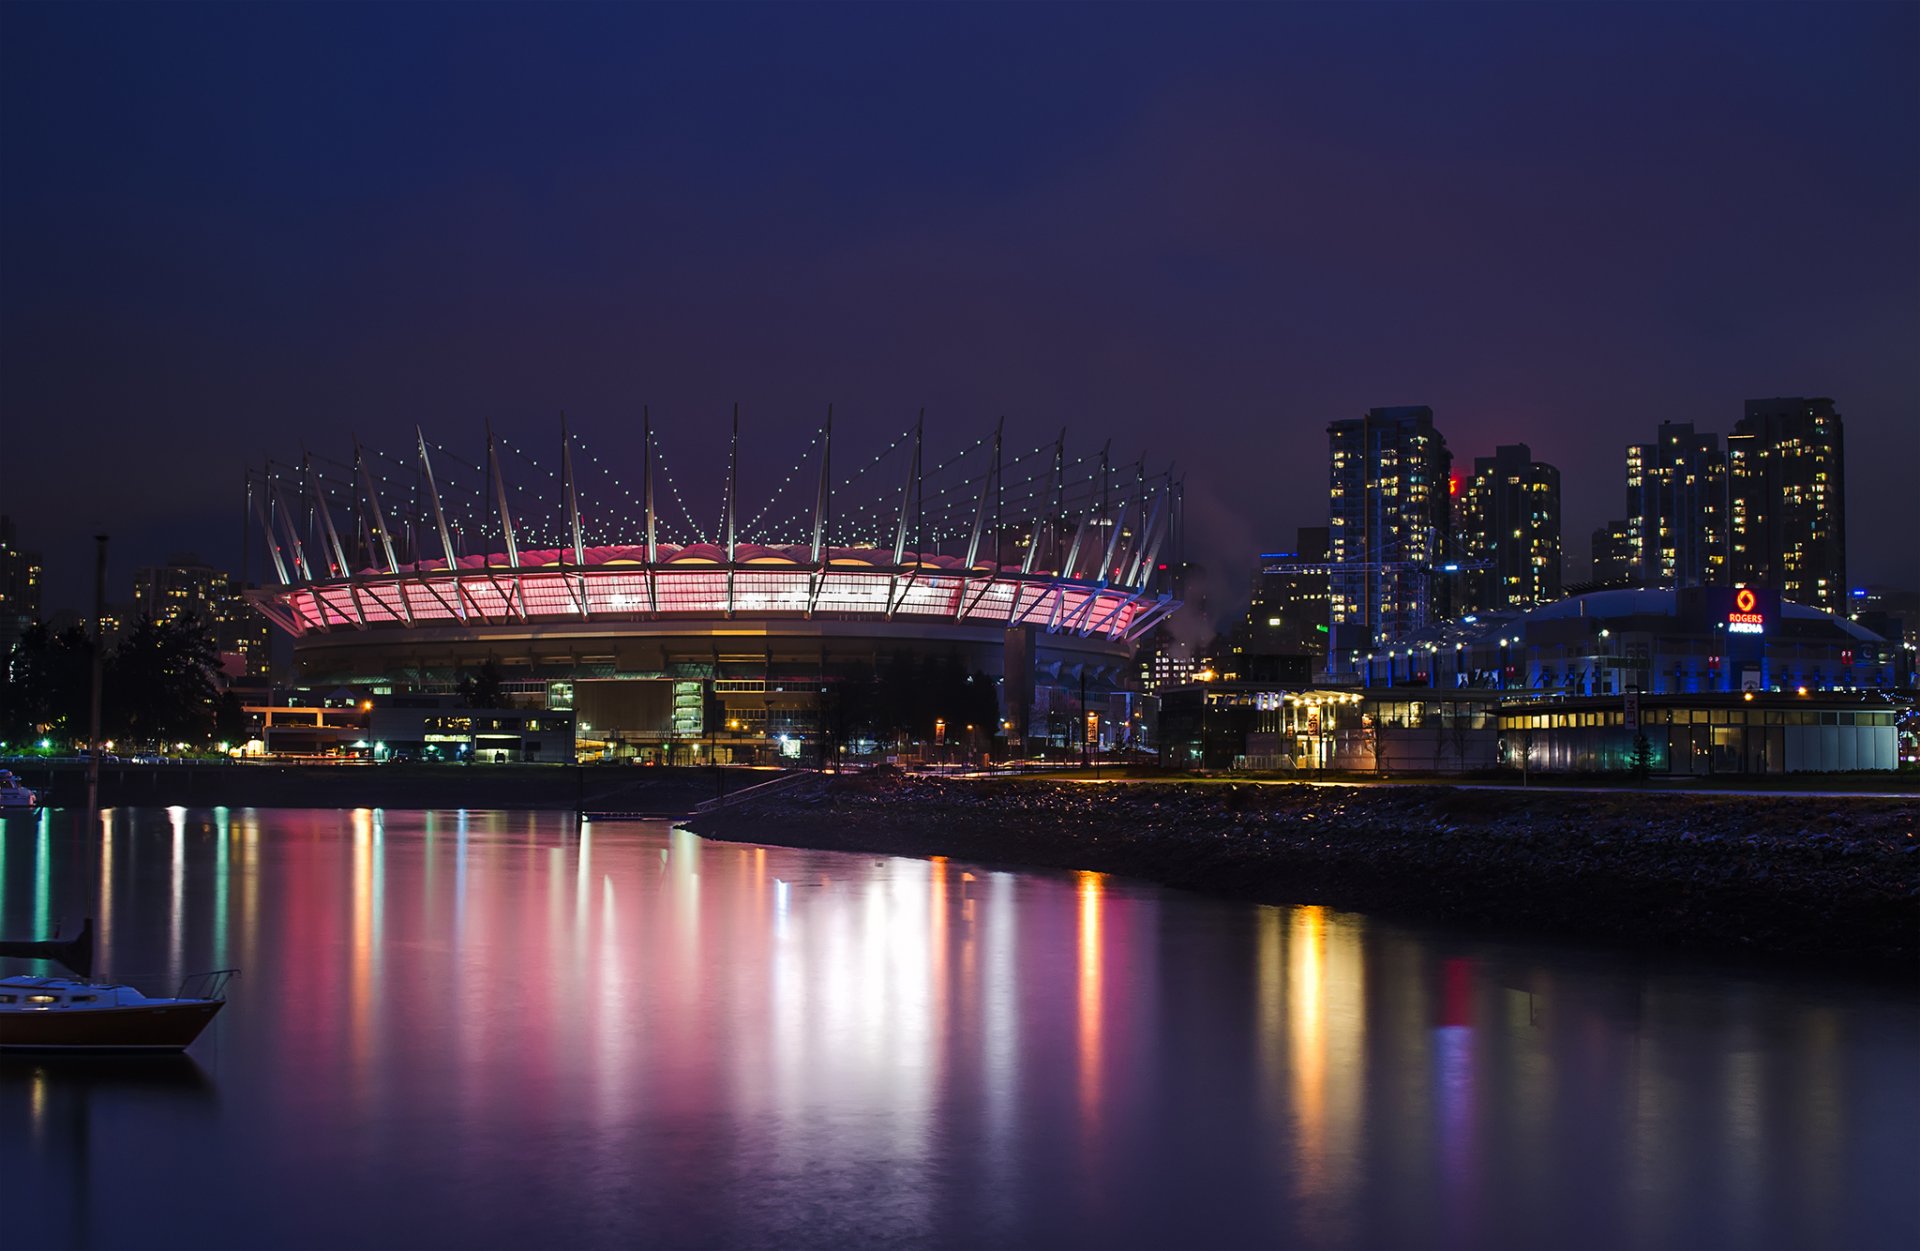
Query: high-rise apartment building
(187, 584)
(1507, 530)
(20, 574)
(1389, 526)
(1676, 525)
(1787, 526)
(1613, 554)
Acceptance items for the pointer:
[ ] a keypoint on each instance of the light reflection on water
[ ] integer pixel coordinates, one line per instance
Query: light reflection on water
(476, 1028)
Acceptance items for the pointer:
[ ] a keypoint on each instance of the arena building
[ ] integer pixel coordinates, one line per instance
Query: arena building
(992, 597)
(1694, 640)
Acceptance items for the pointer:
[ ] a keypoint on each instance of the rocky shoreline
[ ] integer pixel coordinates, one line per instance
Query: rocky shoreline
(1830, 881)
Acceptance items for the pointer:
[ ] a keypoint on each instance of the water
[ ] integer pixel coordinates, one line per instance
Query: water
(485, 1029)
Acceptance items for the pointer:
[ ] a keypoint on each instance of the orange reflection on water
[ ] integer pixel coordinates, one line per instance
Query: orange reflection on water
(937, 946)
(1326, 1020)
(360, 942)
(1307, 999)
(1090, 889)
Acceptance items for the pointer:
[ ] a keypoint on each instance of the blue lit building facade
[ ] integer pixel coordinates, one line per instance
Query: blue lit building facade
(1693, 640)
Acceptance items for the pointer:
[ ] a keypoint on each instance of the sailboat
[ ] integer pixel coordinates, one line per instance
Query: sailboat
(78, 1014)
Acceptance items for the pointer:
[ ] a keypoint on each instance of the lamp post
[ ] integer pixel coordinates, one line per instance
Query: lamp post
(99, 668)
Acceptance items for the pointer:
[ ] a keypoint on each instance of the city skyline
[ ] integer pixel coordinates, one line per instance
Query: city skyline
(1235, 225)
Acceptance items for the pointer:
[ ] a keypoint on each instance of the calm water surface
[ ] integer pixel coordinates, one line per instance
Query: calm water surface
(490, 1029)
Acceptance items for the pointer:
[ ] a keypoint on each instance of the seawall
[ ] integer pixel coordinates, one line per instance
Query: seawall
(1831, 881)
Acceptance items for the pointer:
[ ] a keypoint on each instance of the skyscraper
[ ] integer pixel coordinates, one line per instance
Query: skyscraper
(1676, 525)
(1787, 502)
(1508, 530)
(20, 572)
(1390, 524)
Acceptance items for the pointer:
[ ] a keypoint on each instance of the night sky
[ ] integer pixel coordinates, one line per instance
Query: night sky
(226, 232)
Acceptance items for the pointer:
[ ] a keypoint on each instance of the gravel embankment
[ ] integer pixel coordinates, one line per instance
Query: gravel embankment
(1830, 880)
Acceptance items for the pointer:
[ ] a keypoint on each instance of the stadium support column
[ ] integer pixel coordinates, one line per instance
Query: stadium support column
(1016, 686)
(373, 503)
(261, 501)
(571, 490)
(733, 486)
(573, 495)
(500, 497)
(909, 492)
(292, 529)
(646, 498)
(1043, 526)
(822, 508)
(433, 493)
(336, 553)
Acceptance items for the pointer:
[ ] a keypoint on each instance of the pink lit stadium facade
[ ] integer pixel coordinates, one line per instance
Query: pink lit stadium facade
(1030, 571)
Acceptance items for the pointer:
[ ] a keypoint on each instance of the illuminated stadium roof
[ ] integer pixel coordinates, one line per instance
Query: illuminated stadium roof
(984, 539)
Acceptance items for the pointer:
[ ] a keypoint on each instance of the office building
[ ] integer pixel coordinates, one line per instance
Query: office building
(1508, 532)
(1390, 523)
(1287, 609)
(1787, 526)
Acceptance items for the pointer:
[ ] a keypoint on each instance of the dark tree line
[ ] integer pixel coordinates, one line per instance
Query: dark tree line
(903, 699)
(158, 686)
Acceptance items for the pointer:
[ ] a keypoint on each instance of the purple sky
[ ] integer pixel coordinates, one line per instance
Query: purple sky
(226, 232)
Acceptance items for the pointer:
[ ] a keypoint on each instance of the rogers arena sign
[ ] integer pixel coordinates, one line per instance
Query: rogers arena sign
(1744, 619)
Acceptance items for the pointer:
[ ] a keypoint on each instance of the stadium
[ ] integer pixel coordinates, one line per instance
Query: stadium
(849, 606)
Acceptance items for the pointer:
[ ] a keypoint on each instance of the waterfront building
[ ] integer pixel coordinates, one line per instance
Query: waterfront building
(1786, 487)
(1703, 733)
(1389, 528)
(879, 598)
(1508, 532)
(189, 586)
(21, 572)
(1306, 728)
(443, 727)
(1646, 640)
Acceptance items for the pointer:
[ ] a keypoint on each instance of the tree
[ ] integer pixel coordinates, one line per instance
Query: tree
(230, 723)
(1641, 762)
(484, 687)
(897, 696)
(847, 706)
(45, 680)
(159, 685)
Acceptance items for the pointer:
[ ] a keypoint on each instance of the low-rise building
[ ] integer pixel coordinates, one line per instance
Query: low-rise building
(1702, 734)
(442, 727)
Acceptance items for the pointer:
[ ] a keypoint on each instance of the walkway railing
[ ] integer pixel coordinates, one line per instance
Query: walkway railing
(756, 791)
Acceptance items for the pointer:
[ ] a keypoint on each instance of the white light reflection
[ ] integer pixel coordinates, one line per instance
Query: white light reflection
(221, 833)
(42, 869)
(176, 920)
